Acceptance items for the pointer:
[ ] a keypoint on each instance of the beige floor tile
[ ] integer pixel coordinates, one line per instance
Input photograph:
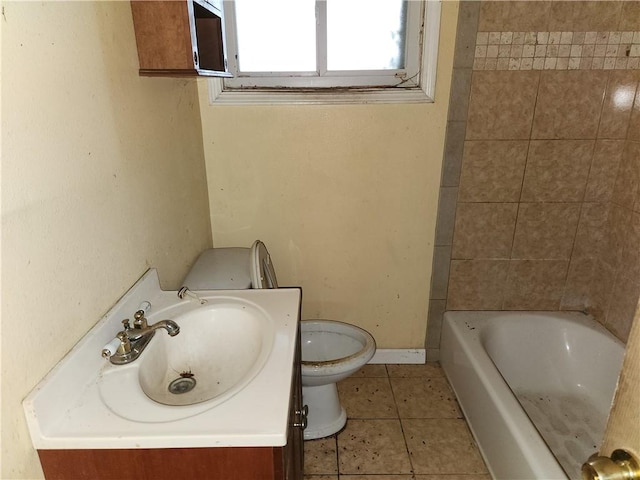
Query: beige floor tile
(453, 477)
(425, 398)
(321, 477)
(422, 370)
(377, 477)
(442, 446)
(373, 447)
(371, 370)
(367, 398)
(320, 456)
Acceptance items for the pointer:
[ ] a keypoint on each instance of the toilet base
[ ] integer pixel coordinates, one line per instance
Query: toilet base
(326, 416)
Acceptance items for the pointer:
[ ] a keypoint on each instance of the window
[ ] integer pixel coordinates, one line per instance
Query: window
(310, 50)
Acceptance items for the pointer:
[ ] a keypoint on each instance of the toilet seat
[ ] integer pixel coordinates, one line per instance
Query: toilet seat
(263, 274)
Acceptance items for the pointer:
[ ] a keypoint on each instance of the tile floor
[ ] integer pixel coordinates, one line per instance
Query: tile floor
(404, 424)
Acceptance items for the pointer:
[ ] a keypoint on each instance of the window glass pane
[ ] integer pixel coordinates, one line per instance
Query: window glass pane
(276, 35)
(365, 34)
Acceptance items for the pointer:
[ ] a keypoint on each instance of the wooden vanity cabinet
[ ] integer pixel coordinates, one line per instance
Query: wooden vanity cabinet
(180, 37)
(221, 463)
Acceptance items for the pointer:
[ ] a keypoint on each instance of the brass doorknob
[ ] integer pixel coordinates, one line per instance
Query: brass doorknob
(621, 466)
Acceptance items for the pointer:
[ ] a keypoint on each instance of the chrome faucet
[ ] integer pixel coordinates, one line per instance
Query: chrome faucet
(131, 341)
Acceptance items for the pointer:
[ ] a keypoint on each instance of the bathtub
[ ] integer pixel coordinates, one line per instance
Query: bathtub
(535, 387)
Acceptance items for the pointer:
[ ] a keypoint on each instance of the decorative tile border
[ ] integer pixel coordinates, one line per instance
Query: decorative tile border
(557, 51)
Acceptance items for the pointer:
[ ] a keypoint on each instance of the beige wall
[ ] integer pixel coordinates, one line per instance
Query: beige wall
(541, 207)
(344, 196)
(102, 177)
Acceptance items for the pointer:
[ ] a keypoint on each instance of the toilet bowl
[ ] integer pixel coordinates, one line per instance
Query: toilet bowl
(331, 350)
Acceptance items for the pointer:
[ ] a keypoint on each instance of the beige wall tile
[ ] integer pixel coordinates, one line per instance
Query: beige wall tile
(618, 103)
(453, 150)
(545, 230)
(630, 261)
(492, 170)
(442, 446)
(634, 122)
(466, 34)
(569, 104)
(577, 153)
(557, 170)
(624, 301)
(630, 16)
(501, 105)
(584, 16)
(440, 272)
(446, 215)
(618, 222)
(636, 205)
(484, 230)
(604, 170)
(593, 231)
(460, 87)
(514, 16)
(535, 284)
(628, 179)
(435, 316)
(477, 284)
(588, 287)
(373, 447)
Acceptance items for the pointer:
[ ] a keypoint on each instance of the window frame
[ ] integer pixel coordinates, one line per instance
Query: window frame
(419, 89)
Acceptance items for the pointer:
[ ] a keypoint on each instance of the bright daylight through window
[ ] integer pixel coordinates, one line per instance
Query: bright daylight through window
(366, 45)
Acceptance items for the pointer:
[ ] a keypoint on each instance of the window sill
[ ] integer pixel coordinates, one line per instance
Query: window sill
(219, 96)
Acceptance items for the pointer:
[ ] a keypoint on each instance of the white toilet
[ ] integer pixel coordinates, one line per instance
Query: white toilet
(331, 351)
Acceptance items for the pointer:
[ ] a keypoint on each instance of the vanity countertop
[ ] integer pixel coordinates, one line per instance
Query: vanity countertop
(67, 410)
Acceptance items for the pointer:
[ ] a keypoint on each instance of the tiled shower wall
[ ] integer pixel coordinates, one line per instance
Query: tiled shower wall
(539, 200)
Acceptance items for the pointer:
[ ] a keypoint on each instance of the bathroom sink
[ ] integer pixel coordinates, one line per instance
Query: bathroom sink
(218, 351)
(221, 347)
(239, 346)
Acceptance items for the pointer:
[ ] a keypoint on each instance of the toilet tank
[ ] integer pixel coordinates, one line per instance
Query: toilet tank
(221, 269)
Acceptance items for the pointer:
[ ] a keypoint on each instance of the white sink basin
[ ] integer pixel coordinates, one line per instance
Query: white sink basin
(239, 347)
(221, 347)
(219, 350)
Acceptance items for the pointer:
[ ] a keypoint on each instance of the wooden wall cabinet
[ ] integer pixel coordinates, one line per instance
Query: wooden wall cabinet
(180, 37)
(219, 463)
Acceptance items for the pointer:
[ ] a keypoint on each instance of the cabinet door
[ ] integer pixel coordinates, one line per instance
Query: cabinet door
(163, 37)
(180, 37)
(294, 456)
(208, 38)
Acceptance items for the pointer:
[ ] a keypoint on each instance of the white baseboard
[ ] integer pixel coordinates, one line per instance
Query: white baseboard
(398, 355)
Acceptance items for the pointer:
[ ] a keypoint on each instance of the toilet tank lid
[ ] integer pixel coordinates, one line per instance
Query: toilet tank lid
(221, 268)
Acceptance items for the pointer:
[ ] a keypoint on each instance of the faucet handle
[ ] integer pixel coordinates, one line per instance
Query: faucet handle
(126, 324)
(139, 320)
(120, 345)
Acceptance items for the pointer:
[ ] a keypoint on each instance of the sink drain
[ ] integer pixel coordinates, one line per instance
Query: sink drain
(182, 385)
